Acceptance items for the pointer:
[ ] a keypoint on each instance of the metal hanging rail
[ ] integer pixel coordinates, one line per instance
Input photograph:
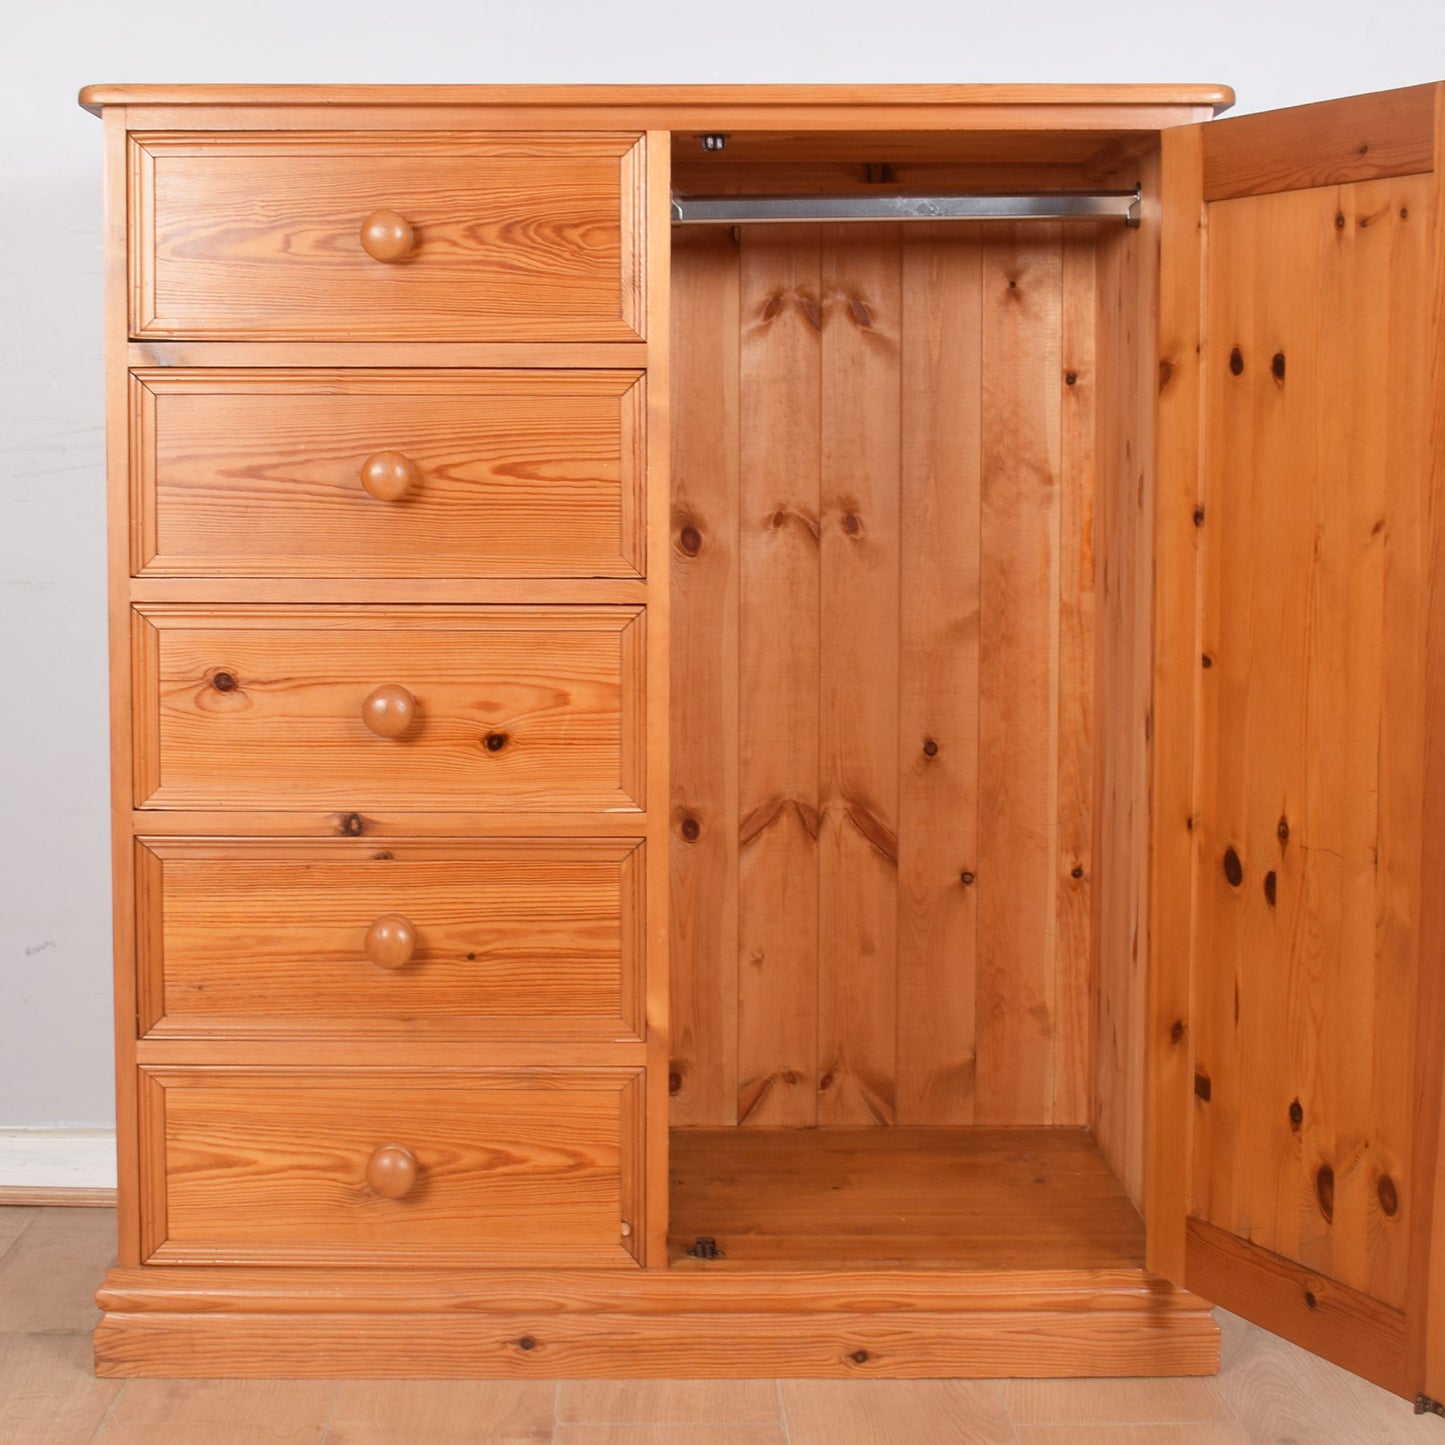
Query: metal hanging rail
(1065, 206)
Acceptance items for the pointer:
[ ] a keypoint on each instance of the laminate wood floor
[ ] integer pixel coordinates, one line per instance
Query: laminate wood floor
(51, 1260)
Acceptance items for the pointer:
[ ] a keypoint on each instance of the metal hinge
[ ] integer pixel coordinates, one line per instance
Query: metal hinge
(1424, 1405)
(706, 1248)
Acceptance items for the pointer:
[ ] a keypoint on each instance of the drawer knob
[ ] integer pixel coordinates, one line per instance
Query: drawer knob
(391, 1170)
(387, 236)
(391, 941)
(389, 711)
(389, 476)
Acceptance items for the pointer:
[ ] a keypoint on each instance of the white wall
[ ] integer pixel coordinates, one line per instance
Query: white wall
(54, 889)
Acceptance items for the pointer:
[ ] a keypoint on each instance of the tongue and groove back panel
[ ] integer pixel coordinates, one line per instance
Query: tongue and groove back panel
(883, 653)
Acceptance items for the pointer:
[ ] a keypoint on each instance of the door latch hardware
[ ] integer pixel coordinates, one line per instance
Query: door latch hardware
(706, 1248)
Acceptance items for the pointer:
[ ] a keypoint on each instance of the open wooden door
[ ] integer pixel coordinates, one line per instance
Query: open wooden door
(1298, 899)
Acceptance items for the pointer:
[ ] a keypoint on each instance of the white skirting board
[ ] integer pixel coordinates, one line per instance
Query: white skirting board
(57, 1159)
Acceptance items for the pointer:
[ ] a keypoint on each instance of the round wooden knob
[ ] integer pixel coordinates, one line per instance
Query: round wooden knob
(386, 236)
(389, 476)
(389, 711)
(391, 1171)
(391, 941)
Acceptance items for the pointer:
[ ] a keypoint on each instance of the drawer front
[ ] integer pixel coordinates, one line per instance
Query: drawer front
(354, 1166)
(355, 708)
(472, 237)
(387, 473)
(531, 940)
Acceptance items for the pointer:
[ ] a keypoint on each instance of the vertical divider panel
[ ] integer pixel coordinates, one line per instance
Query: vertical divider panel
(1018, 705)
(938, 673)
(654, 199)
(704, 1064)
(858, 825)
(778, 762)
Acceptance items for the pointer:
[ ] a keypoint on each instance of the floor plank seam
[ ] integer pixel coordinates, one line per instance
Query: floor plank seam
(104, 1421)
(330, 1415)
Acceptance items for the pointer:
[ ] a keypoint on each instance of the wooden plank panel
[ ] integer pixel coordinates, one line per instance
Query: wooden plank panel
(866, 1198)
(1324, 1317)
(531, 237)
(938, 674)
(1018, 712)
(778, 770)
(1389, 133)
(509, 1167)
(1074, 960)
(703, 1067)
(1313, 724)
(1176, 677)
(261, 473)
(520, 939)
(858, 675)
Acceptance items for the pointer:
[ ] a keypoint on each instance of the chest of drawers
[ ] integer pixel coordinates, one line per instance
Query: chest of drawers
(727, 799)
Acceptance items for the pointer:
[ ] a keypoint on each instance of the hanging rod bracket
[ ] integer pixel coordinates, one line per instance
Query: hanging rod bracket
(1061, 206)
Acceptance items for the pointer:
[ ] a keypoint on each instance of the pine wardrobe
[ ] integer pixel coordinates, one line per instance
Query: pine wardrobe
(775, 730)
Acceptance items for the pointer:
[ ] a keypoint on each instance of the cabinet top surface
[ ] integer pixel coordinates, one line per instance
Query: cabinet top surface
(683, 104)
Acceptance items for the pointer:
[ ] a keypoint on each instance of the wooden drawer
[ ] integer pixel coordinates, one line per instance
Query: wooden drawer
(253, 472)
(534, 708)
(508, 1166)
(520, 939)
(513, 236)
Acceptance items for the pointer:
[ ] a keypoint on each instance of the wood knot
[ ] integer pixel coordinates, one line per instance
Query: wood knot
(1076, 872)
(674, 1082)
(812, 312)
(1199, 516)
(1176, 1032)
(1296, 1116)
(1166, 373)
(930, 749)
(859, 1357)
(1388, 1195)
(1233, 868)
(385, 856)
(1203, 1089)
(1339, 220)
(1206, 661)
(1271, 888)
(690, 829)
(223, 682)
(1276, 366)
(852, 523)
(1071, 378)
(1282, 830)
(859, 311)
(1310, 1301)
(1325, 1192)
(690, 540)
(967, 878)
(353, 825)
(1236, 362)
(495, 742)
(526, 1343)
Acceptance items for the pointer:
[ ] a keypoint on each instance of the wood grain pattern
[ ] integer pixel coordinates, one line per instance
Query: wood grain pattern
(529, 708)
(938, 662)
(700, 1345)
(1125, 336)
(1176, 678)
(704, 533)
(778, 702)
(257, 473)
(522, 1167)
(519, 237)
(515, 939)
(1018, 661)
(864, 1198)
(1327, 1318)
(1314, 629)
(876, 381)
(1366, 137)
(859, 744)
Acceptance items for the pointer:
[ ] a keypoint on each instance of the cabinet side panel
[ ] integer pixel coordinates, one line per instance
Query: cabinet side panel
(704, 1064)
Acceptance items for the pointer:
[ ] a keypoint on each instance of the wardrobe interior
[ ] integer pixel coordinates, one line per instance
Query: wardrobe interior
(911, 497)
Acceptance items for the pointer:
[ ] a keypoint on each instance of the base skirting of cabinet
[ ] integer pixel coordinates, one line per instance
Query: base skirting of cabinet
(548, 1324)
(924, 1198)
